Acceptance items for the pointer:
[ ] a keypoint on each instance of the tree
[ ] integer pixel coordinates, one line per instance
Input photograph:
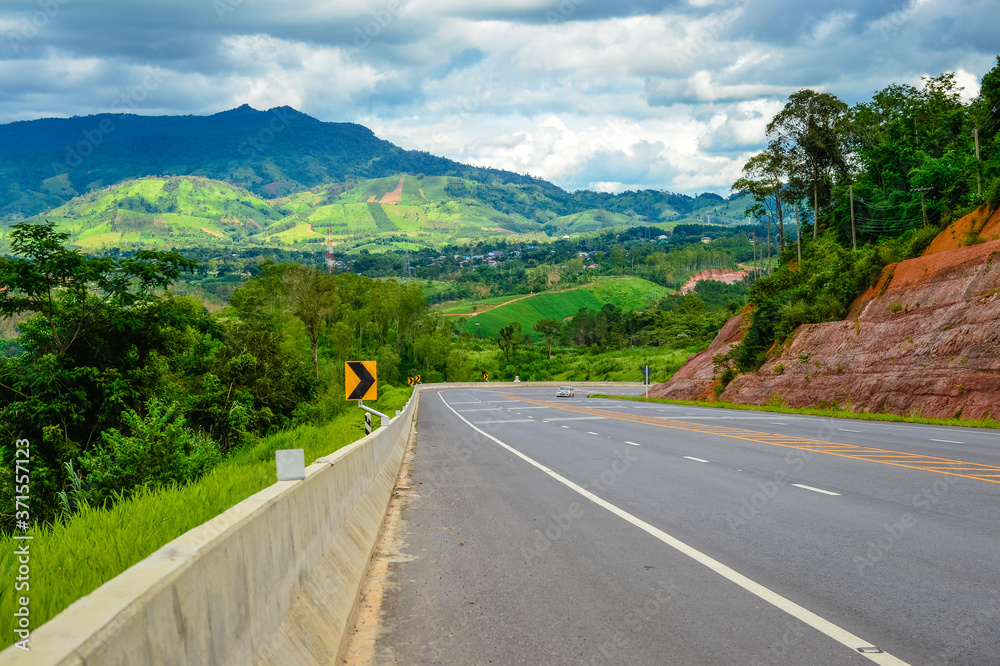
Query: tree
(510, 337)
(99, 344)
(763, 177)
(812, 129)
(310, 296)
(549, 329)
(72, 291)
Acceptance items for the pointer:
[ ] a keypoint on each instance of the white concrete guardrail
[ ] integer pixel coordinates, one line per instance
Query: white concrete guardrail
(273, 580)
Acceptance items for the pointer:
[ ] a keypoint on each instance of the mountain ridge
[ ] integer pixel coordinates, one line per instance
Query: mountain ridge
(45, 163)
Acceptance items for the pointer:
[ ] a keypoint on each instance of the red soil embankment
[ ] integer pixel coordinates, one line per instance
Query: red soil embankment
(694, 381)
(714, 274)
(925, 339)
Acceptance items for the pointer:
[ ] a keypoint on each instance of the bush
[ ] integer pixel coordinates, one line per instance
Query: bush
(159, 450)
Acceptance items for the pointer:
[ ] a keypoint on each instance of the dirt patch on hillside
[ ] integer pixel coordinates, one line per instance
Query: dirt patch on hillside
(396, 195)
(715, 275)
(209, 231)
(695, 380)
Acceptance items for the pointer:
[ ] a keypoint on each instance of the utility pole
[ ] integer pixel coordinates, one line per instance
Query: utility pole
(854, 241)
(798, 233)
(768, 245)
(979, 180)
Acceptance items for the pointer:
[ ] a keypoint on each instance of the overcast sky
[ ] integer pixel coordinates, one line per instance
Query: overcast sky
(597, 94)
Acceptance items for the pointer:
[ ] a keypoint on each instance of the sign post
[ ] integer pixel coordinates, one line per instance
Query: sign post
(645, 374)
(360, 383)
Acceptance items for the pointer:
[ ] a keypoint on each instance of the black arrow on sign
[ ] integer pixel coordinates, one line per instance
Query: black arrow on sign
(365, 380)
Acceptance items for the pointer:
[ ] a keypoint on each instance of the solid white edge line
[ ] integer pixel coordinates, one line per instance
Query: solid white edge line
(815, 490)
(822, 625)
(696, 459)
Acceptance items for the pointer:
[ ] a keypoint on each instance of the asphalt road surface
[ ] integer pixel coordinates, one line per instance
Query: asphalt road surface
(537, 530)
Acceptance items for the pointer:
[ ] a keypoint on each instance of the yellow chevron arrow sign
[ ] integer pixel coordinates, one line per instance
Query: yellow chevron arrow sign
(360, 381)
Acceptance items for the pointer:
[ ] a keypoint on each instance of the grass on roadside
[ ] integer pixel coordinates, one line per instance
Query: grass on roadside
(74, 557)
(815, 411)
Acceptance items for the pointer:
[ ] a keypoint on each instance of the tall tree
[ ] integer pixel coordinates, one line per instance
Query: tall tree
(510, 337)
(764, 176)
(310, 295)
(812, 130)
(549, 328)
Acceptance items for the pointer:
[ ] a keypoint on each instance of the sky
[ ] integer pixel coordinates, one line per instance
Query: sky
(589, 94)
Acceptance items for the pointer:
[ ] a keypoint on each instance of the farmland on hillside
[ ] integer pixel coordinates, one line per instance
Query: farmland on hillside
(625, 293)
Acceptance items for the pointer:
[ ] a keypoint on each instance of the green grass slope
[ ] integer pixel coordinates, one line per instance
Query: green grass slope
(176, 212)
(629, 294)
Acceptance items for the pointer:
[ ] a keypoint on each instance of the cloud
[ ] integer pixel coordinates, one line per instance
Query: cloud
(670, 94)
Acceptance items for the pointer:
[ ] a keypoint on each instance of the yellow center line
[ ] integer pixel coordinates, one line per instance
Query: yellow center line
(880, 456)
(976, 469)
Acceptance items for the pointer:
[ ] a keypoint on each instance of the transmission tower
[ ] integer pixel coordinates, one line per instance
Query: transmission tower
(331, 264)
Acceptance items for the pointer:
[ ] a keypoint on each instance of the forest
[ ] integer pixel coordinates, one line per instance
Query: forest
(876, 182)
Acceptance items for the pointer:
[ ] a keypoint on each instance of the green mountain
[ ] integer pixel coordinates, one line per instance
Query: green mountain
(280, 176)
(44, 163)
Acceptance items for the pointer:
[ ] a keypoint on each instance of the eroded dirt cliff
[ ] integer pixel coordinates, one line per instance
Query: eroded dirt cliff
(925, 339)
(715, 275)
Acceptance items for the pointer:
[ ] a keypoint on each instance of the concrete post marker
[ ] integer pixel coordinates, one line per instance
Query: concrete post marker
(291, 464)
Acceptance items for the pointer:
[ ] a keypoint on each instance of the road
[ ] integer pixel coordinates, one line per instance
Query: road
(536, 530)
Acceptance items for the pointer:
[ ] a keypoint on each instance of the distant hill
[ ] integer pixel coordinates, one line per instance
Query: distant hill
(289, 174)
(44, 163)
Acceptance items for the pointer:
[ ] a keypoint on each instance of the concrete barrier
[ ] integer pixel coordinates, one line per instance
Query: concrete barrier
(272, 580)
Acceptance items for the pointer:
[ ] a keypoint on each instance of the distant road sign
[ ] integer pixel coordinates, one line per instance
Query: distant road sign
(645, 373)
(359, 378)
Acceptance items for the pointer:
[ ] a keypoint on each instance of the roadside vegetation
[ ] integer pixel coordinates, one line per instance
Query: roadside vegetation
(149, 380)
(874, 184)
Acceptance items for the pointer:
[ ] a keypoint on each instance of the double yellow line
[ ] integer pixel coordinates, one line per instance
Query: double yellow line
(960, 468)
